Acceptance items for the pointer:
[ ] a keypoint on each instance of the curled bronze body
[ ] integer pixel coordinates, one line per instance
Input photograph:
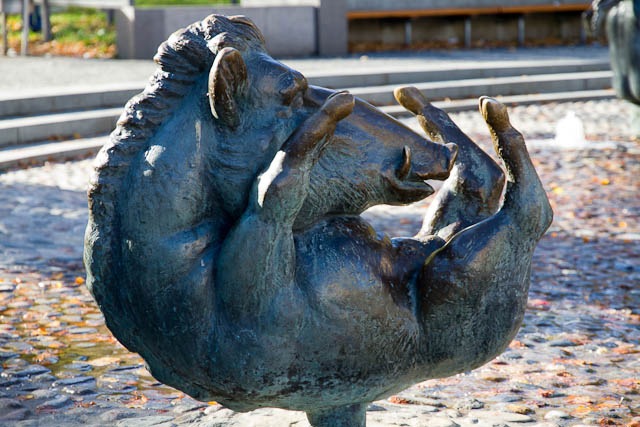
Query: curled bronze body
(225, 243)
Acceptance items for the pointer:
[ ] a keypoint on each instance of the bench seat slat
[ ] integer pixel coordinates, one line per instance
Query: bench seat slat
(466, 11)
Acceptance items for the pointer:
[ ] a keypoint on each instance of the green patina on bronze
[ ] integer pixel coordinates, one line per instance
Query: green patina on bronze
(621, 20)
(225, 243)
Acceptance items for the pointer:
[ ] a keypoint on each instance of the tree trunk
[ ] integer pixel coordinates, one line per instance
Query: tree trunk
(46, 21)
(5, 38)
(24, 45)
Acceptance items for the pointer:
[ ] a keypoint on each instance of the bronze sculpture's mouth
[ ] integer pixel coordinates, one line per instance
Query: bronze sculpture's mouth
(411, 180)
(413, 190)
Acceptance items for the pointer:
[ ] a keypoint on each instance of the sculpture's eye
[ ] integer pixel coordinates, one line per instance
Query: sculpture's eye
(292, 86)
(289, 95)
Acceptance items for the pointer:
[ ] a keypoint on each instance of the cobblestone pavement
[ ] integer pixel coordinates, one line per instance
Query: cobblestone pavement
(576, 360)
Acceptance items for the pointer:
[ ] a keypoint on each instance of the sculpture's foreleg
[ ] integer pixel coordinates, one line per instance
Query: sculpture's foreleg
(473, 292)
(473, 190)
(257, 258)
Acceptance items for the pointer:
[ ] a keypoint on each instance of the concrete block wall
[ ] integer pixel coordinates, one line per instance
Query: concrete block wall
(141, 30)
(445, 4)
(322, 27)
(316, 27)
(333, 29)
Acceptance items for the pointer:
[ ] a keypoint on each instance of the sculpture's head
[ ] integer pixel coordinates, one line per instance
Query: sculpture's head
(372, 159)
(215, 111)
(218, 100)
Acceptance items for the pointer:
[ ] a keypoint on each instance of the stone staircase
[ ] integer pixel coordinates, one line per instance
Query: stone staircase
(70, 122)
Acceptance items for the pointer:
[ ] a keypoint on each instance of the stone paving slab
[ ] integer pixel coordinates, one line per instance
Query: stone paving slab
(574, 362)
(65, 98)
(40, 153)
(22, 130)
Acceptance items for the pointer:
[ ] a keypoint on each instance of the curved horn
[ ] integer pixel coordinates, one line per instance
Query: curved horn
(405, 169)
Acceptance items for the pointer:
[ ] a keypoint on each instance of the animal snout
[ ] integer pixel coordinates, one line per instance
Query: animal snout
(444, 162)
(451, 152)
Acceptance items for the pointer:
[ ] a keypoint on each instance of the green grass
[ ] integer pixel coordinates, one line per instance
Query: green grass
(75, 31)
(84, 32)
(88, 26)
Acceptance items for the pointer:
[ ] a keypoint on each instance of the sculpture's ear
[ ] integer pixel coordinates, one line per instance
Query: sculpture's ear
(227, 80)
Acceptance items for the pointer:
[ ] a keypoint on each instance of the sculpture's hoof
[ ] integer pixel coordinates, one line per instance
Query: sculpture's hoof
(411, 99)
(339, 105)
(494, 113)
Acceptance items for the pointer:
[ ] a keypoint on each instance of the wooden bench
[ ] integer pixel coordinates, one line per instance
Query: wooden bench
(468, 12)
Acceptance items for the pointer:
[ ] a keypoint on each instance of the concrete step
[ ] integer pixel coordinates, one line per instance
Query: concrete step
(69, 99)
(39, 153)
(116, 95)
(470, 104)
(499, 86)
(422, 74)
(23, 130)
(95, 110)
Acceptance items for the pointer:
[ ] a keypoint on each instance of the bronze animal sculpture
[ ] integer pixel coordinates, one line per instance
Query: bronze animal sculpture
(621, 20)
(225, 244)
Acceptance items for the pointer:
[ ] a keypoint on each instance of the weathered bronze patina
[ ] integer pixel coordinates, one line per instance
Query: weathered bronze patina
(225, 243)
(621, 21)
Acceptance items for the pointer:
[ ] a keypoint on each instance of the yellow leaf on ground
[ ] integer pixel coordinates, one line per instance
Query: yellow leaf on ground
(104, 361)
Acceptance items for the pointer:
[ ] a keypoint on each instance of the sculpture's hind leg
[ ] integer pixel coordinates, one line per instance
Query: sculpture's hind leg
(341, 416)
(472, 191)
(525, 198)
(473, 291)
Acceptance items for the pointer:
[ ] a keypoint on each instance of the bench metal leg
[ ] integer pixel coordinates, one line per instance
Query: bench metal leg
(467, 32)
(408, 29)
(521, 30)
